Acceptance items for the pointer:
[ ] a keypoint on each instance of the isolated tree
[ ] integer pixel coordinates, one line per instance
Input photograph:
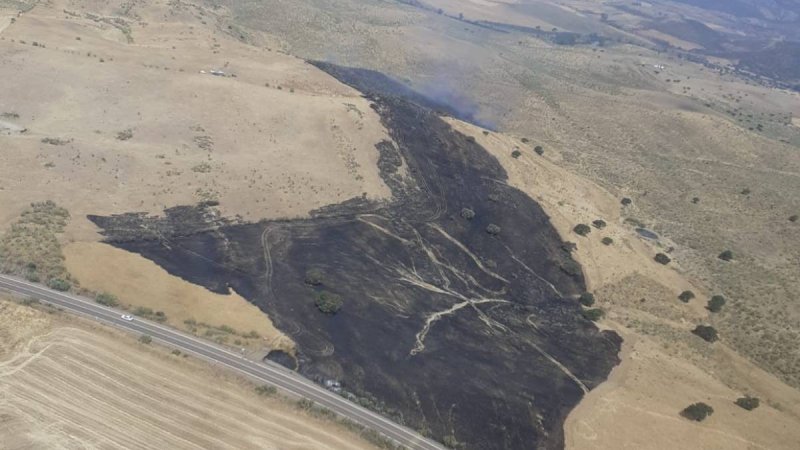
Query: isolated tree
(493, 229)
(516, 154)
(539, 150)
(697, 411)
(467, 213)
(716, 303)
(582, 229)
(626, 201)
(662, 259)
(706, 332)
(586, 299)
(685, 296)
(314, 277)
(599, 224)
(328, 302)
(747, 402)
(607, 241)
(794, 218)
(695, 200)
(726, 255)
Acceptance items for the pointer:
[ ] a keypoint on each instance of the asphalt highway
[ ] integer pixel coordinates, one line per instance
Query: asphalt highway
(264, 372)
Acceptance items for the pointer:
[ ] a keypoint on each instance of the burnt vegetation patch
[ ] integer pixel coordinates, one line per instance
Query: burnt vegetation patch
(447, 323)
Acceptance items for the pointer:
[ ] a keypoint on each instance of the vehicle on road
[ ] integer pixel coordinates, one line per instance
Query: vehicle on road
(127, 317)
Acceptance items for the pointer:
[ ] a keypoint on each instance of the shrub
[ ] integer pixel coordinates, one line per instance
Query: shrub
(569, 247)
(593, 314)
(727, 255)
(539, 150)
(794, 218)
(328, 302)
(695, 200)
(467, 213)
(143, 311)
(59, 284)
(746, 191)
(747, 402)
(493, 229)
(107, 299)
(685, 296)
(716, 303)
(525, 140)
(314, 277)
(176, 352)
(626, 201)
(516, 154)
(124, 135)
(586, 299)
(707, 333)
(570, 267)
(582, 229)
(607, 241)
(33, 277)
(145, 339)
(599, 224)
(266, 390)
(662, 259)
(697, 411)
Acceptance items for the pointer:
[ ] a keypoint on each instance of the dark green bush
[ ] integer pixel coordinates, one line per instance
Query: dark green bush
(570, 267)
(697, 411)
(727, 255)
(266, 390)
(582, 229)
(626, 201)
(607, 241)
(145, 339)
(662, 259)
(493, 229)
(716, 303)
(59, 284)
(593, 314)
(685, 296)
(599, 224)
(794, 218)
(328, 302)
(107, 299)
(747, 402)
(516, 154)
(539, 150)
(706, 332)
(586, 299)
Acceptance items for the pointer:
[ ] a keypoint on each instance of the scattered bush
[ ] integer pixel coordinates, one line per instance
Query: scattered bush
(716, 303)
(599, 224)
(607, 241)
(539, 150)
(685, 296)
(707, 333)
(697, 412)
(145, 339)
(328, 302)
(516, 154)
(124, 135)
(493, 229)
(55, 141)
(747, 402)
(593, 314)
(569, 247)
(525, 140)
(314, 277)
(107, 299)
(794, 218)
(266, 390)
(467, 213)
(582, 229)
(727, 255)
(695, 200)
(586, 299)
(626, 201)
(59, 284)
(662, 259)
(33, 277)
(570, 267)
(176, 352)
(746, 191)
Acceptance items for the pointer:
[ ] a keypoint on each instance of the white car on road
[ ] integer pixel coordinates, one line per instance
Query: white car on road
(127, 317)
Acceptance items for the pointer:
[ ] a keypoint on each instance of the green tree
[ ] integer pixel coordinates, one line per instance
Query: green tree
(697, 411)
(747, 402)
(107, 299)
(607, 241)
(726, 255)
(716, 303)
(582, 229)
(662, 259)
(586, 299)
(593, 314)
(328, 302)
(59, 284)
(706, 332)
(685, 296)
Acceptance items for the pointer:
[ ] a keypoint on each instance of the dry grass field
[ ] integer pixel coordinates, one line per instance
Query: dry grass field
(66, 383)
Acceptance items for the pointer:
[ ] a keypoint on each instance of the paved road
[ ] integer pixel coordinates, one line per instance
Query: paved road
(266, 372)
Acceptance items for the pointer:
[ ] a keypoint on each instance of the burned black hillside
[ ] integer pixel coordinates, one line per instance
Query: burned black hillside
(461, 325)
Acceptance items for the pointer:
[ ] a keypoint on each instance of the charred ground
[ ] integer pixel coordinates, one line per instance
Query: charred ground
(464, 331)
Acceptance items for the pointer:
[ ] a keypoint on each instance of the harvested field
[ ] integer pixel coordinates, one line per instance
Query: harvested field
(67, 383)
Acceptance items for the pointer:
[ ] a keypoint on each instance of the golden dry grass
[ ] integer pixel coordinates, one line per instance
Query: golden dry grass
(137, 281)
(67, 383)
